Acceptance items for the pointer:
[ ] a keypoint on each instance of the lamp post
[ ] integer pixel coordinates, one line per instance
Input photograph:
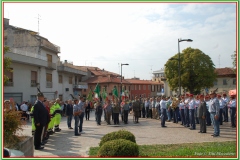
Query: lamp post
(121, 77)
(179, 66)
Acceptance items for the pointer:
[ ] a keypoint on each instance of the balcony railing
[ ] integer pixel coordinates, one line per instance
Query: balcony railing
(52, 65)
(29, 54)
(34, 83)
(49, 85)
(8, 84)
(49, 45)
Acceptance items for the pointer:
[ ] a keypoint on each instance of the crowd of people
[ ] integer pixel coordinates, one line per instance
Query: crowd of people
(212, 109)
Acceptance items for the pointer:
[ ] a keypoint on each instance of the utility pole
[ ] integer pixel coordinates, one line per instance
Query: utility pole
(38, 22)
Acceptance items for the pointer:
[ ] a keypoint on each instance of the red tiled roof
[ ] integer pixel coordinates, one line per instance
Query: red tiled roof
(136, 81)
(225, 72)
(100, 79)
(98, 72)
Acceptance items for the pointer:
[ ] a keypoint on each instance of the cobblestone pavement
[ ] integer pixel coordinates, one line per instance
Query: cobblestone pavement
(148, 131)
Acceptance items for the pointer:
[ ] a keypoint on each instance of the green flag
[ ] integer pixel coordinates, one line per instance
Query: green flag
(89, 97)
(104, 94)
(115, 91)
(97, 91)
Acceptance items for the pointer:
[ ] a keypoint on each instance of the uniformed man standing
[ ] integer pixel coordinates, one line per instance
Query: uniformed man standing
(214, 113)
(225, 107)
(192, 110)
(232, 106)
(136, 109)
(201, 114)
(186, 110)
(163, 103)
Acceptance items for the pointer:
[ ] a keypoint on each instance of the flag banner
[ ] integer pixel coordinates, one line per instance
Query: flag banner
(97, 91)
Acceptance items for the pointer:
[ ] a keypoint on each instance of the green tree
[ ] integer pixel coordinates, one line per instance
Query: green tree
(234, 58)
(197, 71)
(7, 63)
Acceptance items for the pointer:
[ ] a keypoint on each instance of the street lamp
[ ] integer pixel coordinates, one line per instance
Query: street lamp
(179, 74)
(121, 77)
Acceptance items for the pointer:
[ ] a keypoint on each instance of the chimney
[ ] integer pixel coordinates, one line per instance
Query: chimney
(65, 61)
(6, 23)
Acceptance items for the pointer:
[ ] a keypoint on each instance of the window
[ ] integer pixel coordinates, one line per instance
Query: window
(5, 40)
(152, 88)
(49, 80)
(135, 87)
(234, 81)
(70, 80)
(9, 74)
(33, 78)
(139, 87)
(49, 58)
(129, 88)
(215, 83)
(60, 79)
(132, 87)
(224, 82)
(149, 87)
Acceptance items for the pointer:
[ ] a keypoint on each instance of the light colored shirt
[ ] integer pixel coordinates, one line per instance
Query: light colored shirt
(225, 101)
(214, 106)
(150, 105)
(197, 103)
(221, 103)
(232, 103)
(186, 102)
(163, 103)
(76, 108)
(191, 104)
(181, 105)
(147, 104)
(157, 105)
(81, 106)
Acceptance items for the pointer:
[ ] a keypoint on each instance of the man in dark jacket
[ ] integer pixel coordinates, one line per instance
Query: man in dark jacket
(41, 119)
(201, 114)
(69, 113)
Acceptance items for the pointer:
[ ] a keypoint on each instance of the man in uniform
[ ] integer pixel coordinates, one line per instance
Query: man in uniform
(163, 104)
(225, 107)
(232, 106)
(136, 109)
(191, 110)
(214, 113)
(58, 116)
(186, 110)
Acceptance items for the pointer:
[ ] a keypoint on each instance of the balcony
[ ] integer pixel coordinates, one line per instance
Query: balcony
(48, 84)
(80, 86)
(50, 46)
(10, 84)
(70, 68)
(34, 83)
(51, 65)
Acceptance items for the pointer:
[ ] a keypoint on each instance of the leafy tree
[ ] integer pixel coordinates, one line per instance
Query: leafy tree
(234, 57)
(197, 71)
(7, 63)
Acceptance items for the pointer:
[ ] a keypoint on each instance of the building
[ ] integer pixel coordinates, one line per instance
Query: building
(35, 64)
(226, 80)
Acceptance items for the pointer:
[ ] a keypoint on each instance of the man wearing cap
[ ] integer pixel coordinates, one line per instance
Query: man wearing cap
(225, 107)
(191, 112)
(197, 103)
(163, 104)
(214, 113)
(82, 105)
(181, 107)
(221, 109)
(201, 114)
(41, 119)
(186, 110)
(232, 106)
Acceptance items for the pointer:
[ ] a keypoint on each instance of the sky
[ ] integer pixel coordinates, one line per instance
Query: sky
(143, 35)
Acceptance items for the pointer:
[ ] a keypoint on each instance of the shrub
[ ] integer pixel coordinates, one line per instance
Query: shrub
(118, 147)
(121, 134)
(12, 123)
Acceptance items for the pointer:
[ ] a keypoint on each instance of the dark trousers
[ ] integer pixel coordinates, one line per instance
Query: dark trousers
(233, 112)
(69, 121)
(183, 117)
(202, 123)
(76, 125)
(146, 112)
(186, 113)
(220, 116)
(81, 122)
(136, 117)
(99, 115)
(195, 114)
(87, 114)
(150, 113)
(225, 113)
(193, 125)
(116, 118)
(125, 112)
(143, 112)
(208, 118)
(38, 136)
(163, 117)
(175, 115)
